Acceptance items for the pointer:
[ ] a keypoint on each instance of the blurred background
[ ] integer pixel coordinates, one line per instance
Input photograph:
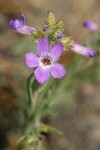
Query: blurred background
(80, 120)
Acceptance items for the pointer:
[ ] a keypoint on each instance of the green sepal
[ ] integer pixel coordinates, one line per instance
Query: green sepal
(37, 35)
(60, 23)
(49, 129)
(65, 41)
(31, 139)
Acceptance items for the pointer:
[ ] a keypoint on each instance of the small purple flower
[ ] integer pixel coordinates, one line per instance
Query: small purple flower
(86, 51)
(19, 26)
(45, 63)
(92, 26)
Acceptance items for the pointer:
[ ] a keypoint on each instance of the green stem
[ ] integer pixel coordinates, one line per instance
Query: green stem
(41, 101)
(34, 94)
(30, 80)
(35, 102)
(31, 88)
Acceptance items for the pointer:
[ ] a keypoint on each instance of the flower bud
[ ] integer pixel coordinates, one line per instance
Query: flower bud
(50, 18)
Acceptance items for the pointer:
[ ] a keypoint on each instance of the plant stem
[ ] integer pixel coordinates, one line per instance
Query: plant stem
(30, 80)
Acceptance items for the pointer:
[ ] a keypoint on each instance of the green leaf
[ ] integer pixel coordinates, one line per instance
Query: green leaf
(21, 139)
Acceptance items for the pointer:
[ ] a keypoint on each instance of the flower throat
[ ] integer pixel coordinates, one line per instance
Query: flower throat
(46, 61)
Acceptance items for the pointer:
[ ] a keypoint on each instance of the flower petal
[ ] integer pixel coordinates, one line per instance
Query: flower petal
(32, 60)
(57, 50)
(15, 24)
(42, 74)
(11, 24)
(22, 18)
(57, 70)
(43, 46)
(91, 52)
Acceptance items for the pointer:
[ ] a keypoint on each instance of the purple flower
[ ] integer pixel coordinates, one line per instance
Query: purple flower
(19, 26)
(86, 51)
(92, 26)
(45, 63)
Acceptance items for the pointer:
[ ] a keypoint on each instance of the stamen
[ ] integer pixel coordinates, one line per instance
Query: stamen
(46, 60)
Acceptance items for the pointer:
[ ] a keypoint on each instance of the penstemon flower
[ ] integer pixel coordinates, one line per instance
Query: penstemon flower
(19, 26)
(46, 61)
(92, 26)
(85, 51)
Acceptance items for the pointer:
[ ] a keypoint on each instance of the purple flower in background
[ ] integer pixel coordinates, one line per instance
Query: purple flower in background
(92, 26)
(19, 26)
(45, 63)
(86, 51)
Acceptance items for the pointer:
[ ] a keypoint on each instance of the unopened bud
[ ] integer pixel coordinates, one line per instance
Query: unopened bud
(50, 18)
